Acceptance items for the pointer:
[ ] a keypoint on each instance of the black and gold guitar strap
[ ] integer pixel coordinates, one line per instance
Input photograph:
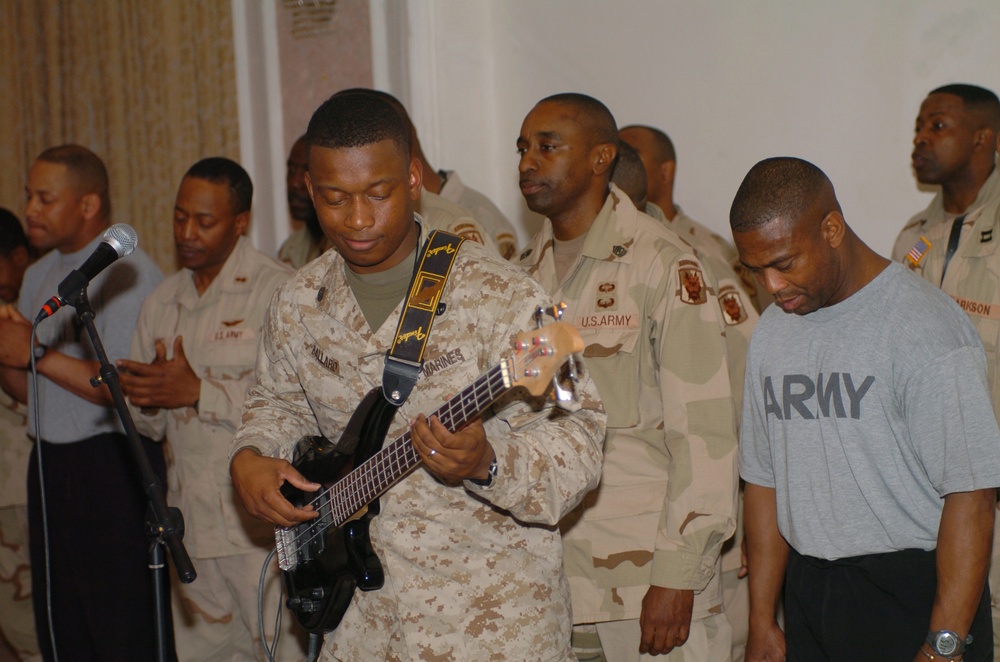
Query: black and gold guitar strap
(404, 359)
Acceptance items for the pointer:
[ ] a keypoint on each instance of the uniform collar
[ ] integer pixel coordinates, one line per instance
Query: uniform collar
(235, 276)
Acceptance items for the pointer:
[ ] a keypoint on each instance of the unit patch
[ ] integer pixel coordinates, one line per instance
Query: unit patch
(468, 231)
(733, 309)
(692, 288)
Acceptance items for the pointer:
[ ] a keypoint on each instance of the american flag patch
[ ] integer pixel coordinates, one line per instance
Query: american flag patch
(918, 251)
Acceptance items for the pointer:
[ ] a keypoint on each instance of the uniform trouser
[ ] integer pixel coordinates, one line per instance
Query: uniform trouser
(101, 590)
(709, 640)
(874, 608)
(215, 617)
(736, 598)
(736, 591)
(17, 622)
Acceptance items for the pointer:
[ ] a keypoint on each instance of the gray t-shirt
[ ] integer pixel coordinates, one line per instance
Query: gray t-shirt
(115, 295)
(863, 415)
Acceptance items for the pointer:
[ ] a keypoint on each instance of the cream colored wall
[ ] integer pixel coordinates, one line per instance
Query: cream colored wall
(838, 83)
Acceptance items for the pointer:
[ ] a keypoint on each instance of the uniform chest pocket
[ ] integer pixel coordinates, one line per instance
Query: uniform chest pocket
(613, 357)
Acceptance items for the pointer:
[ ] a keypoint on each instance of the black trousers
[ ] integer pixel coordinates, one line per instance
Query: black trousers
(875, 607)
(101, 586)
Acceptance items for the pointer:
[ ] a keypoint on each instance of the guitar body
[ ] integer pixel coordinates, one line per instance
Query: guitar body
(333, 561)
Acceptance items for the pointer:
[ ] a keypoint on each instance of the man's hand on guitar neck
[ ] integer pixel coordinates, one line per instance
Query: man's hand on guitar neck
(452, 456)
(258, 480)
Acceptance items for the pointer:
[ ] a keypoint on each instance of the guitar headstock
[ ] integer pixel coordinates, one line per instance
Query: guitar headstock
(539, 354)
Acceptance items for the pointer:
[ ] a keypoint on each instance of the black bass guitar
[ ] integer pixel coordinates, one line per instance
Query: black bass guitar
(326, 559)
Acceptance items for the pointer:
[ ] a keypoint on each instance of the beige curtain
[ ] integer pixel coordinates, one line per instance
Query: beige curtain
(149, 85)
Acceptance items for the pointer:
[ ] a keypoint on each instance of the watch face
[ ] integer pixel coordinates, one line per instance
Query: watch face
(945, 643)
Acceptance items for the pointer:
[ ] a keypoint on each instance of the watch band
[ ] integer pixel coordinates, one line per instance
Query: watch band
(947, 644)
(491, 474)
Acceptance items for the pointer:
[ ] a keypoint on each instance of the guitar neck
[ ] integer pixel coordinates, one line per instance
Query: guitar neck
(374, 477)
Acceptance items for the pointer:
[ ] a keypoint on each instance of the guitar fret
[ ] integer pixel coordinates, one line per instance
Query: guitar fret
(373, 477)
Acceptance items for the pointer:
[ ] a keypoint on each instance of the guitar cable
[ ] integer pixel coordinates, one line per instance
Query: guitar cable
(314, 639)
(268, 649)
(36, 415)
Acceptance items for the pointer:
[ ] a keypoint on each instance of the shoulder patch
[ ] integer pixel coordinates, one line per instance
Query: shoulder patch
(733, 309)
(468, 231)
(918, 251)
(692, 285)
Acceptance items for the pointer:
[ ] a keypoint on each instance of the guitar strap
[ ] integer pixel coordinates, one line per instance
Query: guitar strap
(404, 359)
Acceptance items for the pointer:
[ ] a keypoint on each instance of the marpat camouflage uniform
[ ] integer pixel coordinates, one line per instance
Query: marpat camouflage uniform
(472, 573)
(655, 346)
(220, 328)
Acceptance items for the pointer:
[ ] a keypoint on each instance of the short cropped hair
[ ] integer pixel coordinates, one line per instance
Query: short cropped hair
(12, 234)
(662, 143)
(979, 101)
(601, 122)
(780, 187)
(629, 174)
(86, 168)
(220, 170)
(355, 118)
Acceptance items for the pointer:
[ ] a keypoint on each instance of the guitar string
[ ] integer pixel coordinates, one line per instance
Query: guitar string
(342, 511)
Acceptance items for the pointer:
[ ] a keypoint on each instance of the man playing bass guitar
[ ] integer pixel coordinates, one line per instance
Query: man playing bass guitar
(468, 541)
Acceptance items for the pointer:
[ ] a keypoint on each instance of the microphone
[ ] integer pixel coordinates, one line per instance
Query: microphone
(119, 240)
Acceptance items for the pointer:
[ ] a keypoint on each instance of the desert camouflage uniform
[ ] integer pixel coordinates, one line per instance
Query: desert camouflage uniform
(740, 319)
(929, 219)
(442, 214)
(655, 347)
(221, 330)
(715, 246)
(487, 213)
(17, 621)
(472, 573)
(300, 249)
(973, 280)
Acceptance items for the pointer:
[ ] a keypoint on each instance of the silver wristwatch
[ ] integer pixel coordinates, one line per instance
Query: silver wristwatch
(947, 644)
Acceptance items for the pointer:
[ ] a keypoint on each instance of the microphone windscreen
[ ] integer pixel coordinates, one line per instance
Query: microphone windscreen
(122, 238)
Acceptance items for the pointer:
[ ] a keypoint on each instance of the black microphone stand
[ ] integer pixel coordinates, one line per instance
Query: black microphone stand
(165, 526)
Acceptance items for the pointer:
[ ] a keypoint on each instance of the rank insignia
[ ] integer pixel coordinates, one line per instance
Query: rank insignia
(986, 236)
(918, 251)
(692, 288)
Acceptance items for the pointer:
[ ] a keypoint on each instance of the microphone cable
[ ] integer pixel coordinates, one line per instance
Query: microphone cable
(36, 416)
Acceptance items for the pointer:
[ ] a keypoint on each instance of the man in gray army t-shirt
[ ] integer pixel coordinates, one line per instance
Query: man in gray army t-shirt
(870, 458)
